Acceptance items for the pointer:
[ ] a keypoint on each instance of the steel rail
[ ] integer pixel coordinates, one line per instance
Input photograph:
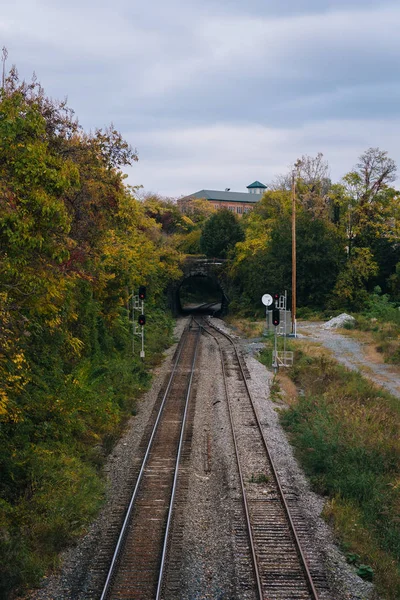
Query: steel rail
(308, 577)
(245, 503)
(178, 458)
(135, 491)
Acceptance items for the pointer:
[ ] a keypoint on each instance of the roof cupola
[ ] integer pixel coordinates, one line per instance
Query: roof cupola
(256, 187)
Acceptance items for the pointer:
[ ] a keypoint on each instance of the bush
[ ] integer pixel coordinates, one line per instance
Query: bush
(381, 308)
(382, 318)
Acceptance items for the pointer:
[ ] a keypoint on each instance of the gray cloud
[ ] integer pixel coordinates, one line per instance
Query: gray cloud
(209, 89)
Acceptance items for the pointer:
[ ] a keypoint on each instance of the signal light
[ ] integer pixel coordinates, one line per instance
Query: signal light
(142, 320)
(275, 317)
(142, 292)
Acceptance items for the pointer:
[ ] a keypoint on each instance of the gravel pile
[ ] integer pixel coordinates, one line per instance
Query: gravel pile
(338, 321)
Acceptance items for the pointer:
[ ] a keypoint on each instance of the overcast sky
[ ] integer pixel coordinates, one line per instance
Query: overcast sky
(218, 93)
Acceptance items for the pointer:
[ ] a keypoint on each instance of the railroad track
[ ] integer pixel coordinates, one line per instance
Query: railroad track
(267, 527)
(274, 526)
(137, 566)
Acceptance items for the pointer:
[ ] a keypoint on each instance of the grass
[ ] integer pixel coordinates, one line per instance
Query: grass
(259, 478)
(385, 336)
(304, 313)
(346, 433)
(245, 327)
(382, 319)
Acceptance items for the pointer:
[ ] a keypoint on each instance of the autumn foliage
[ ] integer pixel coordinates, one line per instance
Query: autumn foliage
(74, 244)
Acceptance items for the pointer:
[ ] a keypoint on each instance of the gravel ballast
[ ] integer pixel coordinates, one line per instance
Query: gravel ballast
(209, 565)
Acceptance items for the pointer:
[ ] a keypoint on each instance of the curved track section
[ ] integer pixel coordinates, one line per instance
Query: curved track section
(137, 565)
(280, 568)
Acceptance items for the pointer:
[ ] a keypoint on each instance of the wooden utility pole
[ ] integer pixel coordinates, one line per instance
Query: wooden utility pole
(3, 60)
(294, 253)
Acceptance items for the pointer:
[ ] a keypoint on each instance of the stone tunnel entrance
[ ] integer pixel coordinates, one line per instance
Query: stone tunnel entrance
(202, 287)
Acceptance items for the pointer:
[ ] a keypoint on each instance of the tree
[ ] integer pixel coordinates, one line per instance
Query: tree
(166, 212)
(258, 224)
(351, 287)
(394, 283)
(370, 212)
(320, 258)
(312, 184)
(220, 234)
(372, 174)
(198, 209)
(75, 242)
(367, 194)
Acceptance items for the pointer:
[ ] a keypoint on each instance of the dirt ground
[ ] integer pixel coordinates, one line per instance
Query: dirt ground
(356, 354)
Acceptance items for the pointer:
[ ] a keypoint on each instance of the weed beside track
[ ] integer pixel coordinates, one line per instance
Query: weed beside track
(346, 433)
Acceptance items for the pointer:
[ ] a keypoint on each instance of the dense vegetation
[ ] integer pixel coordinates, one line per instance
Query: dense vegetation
(75, 242)
(347, 237)
(346, 432)
(220, 233)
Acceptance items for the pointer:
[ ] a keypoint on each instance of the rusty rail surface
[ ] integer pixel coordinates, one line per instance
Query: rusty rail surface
(137, 565)
(281, 570)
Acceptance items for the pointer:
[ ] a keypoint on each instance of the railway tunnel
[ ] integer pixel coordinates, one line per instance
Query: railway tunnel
(202, 286)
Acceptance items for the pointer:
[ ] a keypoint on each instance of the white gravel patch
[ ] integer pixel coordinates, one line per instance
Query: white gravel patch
(338, 321)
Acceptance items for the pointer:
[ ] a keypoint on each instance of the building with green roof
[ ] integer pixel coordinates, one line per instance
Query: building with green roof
(237, 202)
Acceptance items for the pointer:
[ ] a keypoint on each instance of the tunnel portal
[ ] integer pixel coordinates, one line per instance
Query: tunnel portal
(202, 286)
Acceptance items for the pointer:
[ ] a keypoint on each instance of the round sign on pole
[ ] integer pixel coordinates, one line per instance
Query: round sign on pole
(267, 300)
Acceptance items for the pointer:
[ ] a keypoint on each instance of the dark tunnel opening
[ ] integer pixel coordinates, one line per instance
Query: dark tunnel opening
(200, 294)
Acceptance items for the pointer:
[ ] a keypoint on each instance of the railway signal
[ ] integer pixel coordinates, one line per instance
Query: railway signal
(277, 304)
(138, 304)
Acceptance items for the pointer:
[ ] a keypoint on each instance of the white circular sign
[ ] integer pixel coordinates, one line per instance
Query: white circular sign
(267, 300)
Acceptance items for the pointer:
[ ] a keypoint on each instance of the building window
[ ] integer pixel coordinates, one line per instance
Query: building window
(232, 208)
(247, 209)
(239, 210)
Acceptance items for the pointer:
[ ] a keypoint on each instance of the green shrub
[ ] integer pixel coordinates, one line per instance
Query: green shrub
(381, 308)
(51, 484)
